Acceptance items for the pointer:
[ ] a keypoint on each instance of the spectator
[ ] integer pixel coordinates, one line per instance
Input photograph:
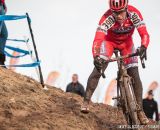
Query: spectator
(75, 86)
(150, 106)
(3, 32)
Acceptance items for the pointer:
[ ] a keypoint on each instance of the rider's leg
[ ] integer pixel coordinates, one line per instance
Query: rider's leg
(107, 51)
(92, 83)
(137, 84)
(91, 86)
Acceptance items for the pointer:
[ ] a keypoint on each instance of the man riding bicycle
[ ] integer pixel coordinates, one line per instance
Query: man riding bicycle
(115, 31)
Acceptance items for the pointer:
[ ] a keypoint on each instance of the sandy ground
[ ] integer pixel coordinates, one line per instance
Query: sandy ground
(24, 105)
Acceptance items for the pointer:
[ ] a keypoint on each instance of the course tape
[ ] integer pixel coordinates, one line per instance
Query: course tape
(24, 52)
(17, 40)
(35, 64)
(11, 17)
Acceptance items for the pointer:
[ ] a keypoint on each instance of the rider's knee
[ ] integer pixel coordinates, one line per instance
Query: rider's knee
(133, 71)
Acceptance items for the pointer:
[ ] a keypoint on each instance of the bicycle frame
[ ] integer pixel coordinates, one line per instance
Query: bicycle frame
(125, 93)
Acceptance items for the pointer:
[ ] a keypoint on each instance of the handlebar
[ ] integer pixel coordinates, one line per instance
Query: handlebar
(122, 57)
(137, 53)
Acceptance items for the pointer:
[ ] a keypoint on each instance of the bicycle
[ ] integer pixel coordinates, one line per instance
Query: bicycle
(125, 94)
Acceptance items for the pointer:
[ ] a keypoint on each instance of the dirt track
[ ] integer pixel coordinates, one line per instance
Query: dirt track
(24, 105)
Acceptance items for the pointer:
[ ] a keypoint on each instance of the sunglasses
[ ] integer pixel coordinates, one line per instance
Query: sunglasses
(119, 12)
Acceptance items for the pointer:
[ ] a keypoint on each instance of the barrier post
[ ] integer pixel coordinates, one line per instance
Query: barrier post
(31, 55)
(35, 50)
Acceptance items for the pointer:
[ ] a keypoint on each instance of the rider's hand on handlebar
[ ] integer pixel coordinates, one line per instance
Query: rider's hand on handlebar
(98, 62)
(143, 52)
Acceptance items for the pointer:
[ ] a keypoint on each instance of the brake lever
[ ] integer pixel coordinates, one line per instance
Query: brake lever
(143, 64)
(142, 59)
(146, 56)
(101, 71)
(102, 74)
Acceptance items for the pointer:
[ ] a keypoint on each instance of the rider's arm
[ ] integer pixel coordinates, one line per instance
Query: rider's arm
(105, 23)
(138, 22)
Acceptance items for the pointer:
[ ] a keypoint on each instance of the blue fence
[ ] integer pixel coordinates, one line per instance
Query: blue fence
(21, 52)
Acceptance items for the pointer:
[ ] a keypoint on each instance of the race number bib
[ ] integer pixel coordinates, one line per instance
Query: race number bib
(136, 20)
(107, 24)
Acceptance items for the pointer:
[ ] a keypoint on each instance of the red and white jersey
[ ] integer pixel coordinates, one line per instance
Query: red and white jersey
(111, 30)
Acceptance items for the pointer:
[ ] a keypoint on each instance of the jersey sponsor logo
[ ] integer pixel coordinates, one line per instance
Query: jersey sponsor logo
(127, 66)
(103, 48)
(136, 20)
(107, 24)
(100, 29)
(96, 48)
(123, 30)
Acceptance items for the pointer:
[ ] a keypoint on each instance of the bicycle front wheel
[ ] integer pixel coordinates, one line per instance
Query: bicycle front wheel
(131, 101)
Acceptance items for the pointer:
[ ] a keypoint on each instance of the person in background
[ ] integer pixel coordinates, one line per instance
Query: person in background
(75, 86)
(3, 32)
(150, 106)
(159, 118)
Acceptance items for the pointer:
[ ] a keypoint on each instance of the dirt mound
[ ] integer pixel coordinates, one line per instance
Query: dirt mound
(24, 105)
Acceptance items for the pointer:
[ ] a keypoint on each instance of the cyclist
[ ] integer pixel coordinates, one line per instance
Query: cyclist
(115, 31)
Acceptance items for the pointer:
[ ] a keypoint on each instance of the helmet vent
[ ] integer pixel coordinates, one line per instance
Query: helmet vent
(117, 4)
